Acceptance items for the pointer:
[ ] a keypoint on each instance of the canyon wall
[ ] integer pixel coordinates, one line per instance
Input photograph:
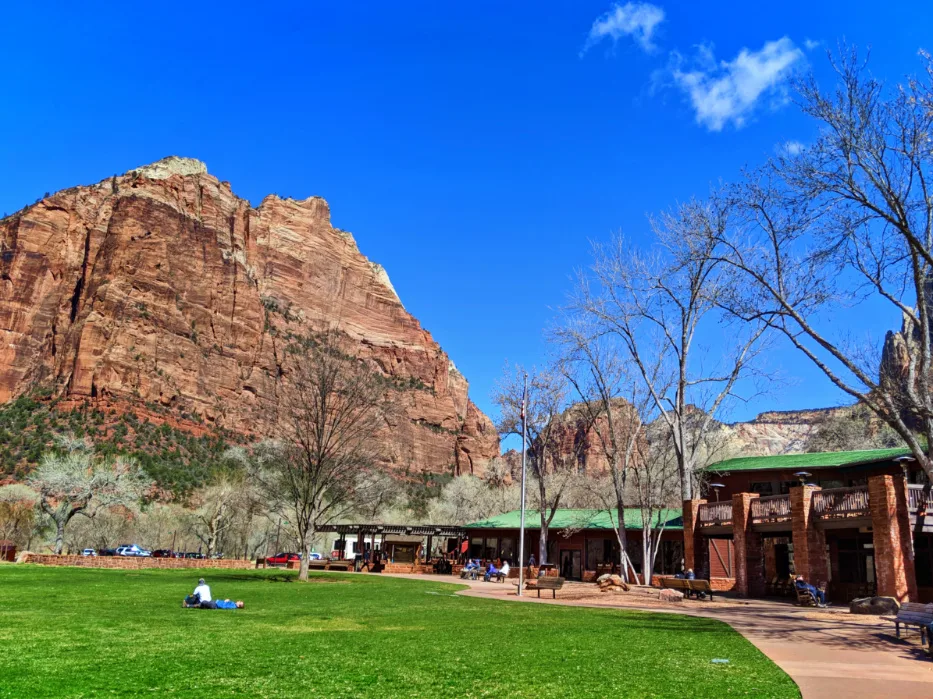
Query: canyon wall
(161, 290)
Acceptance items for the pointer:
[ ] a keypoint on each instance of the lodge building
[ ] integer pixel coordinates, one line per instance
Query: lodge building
(859, 521)
(582, 544)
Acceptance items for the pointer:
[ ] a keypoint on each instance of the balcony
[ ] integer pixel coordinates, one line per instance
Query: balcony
(771, 510)
(916, 497)
(715, 515)
(841, 505)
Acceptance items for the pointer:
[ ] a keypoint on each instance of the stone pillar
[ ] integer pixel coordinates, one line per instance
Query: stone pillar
(696, 547)
(890, 524)
(809, 542)
(749, 548)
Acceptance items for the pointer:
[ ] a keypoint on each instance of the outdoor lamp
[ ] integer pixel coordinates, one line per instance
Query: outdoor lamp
(716, 488)
(903, 461)
(802, 476)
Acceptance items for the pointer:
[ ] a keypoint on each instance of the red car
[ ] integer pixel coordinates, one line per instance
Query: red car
(281, 559)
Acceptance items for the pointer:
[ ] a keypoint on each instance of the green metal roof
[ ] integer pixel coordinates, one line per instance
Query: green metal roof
(796, 462)
(579, 519)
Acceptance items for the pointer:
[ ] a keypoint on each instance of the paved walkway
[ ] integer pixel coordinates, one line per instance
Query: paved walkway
(828, 654)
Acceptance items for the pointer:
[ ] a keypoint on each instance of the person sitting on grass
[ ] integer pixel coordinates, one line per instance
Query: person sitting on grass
(203, 593)
(491, 570)
(803, 586)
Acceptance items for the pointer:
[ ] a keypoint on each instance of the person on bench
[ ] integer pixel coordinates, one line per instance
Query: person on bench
(690, 575)
(803, 586)
(491, 571)
(469, 569)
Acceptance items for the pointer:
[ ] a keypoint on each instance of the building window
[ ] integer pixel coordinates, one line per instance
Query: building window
(507, 552)
(491, 552)
(762, 488)
(826, 485)
(476, 547)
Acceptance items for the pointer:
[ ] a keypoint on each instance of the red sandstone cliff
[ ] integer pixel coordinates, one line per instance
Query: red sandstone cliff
(162, 286)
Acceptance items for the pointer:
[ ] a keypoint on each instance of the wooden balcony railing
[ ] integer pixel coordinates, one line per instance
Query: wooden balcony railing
(715, 514)
(840, 503)
(771, 508)
(916, 497)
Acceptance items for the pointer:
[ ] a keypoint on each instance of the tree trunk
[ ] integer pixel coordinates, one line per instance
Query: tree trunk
(542, 542)
(59, 537)
(686, 481)
(305, 559)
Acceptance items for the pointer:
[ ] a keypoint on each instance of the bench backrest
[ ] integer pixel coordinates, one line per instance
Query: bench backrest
(699, 585)
(550, 583)
(916, 613)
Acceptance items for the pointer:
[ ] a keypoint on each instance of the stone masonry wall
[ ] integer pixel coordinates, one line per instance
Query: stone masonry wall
(131, 562)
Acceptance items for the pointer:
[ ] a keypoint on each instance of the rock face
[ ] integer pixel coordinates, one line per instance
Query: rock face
(163, 287)
(771, 433)
(874, 605)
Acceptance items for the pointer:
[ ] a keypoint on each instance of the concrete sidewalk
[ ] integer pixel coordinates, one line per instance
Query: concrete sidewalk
(828, 654)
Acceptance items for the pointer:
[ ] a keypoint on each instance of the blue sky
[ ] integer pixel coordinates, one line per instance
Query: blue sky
(473, 149)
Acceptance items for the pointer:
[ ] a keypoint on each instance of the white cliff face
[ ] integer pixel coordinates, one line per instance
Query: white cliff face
(172, 165)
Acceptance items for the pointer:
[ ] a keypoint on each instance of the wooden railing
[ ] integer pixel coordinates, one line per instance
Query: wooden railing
(771, 508)
(915, 497)
(715, 514)
(841, 502)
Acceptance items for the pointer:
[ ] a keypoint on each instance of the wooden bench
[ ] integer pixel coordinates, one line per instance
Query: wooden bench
(688, 587)
(317, 565)
(548, 583)
(260, 562)
(913, 614)
(345, 566)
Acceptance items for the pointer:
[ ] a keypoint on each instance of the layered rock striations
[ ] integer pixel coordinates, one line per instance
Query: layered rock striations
(162, 287)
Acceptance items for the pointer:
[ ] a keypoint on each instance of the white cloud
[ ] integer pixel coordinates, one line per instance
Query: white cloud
(728, 92)
(635, 19)
(810, 44)
(790, 148)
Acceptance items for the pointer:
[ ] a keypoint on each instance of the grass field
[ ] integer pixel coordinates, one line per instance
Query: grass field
(80, 633)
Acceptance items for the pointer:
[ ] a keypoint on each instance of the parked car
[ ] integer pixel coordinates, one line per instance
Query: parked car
(106, 552)
(193, 554)
(316, 556)
(164, 553)
(133, 550)
(89, 552)
(281, 559)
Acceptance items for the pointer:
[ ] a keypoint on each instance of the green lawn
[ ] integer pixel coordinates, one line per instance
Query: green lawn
(77, 633)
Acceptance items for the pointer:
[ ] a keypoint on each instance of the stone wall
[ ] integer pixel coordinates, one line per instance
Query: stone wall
(131, 562)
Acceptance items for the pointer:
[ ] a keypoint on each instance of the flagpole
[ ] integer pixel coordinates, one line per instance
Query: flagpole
(521, 534)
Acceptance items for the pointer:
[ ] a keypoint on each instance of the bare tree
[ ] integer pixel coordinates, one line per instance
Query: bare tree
(332, 408)
(658, 306)
(614, 409)
(552, 462)
(848, 219)
(216, 507)
(17, 514)
(78, 481)
(471, 499)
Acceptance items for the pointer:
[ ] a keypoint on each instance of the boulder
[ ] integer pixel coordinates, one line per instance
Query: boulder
(670, 596)
(874, 605)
